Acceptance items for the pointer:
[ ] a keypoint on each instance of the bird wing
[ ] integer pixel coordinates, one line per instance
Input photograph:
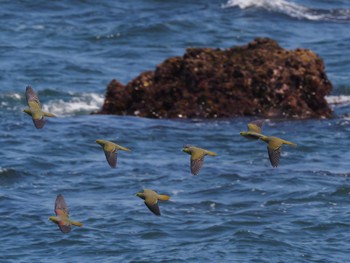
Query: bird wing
(196, 164)
(152, 203)
(274, 155)
(35, 107)
(64, 226)
(31, 97)
(39, 122)
(255, 126)
(61, 208)
(111, 157)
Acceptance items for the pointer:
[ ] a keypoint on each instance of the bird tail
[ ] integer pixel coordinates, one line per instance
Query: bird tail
(76, 223)
(210, 153)
(123, 148)
(48, 114)
(163, 197)
(290, 143)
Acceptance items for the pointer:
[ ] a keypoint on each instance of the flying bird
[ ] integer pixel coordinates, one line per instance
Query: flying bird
(62, 215)
(34, 110)
(110, 149)
(254, 130)
(151, 200)
(197, 157)
(274, 145)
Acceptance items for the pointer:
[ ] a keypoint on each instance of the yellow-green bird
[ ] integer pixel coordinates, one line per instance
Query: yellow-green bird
(151, 200)
(254, 130)
(197, 157)
(34, 110)
(110, 149)
(274, 145)
(62, 216)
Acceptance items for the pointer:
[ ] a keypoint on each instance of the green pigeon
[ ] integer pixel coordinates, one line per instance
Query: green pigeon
(254, 130)
(110, 149)
(274, 145)
(197, 157)
(62, 216)
(151, 200)
(34, 110)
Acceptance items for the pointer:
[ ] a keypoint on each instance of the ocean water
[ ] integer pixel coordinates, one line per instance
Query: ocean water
(238, 209)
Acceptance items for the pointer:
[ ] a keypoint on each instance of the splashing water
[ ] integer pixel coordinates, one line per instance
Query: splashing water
(292, 9)
(335, 100)
(82, 104)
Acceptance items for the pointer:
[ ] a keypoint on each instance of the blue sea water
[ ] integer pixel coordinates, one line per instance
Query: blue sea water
(238, 209)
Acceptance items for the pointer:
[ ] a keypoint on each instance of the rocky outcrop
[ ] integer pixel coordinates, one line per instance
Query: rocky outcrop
(259, 79)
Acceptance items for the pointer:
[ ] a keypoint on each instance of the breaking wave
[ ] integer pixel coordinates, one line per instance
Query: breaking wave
(293, 10)
(338, 100)
(60, 104)
(83, 104)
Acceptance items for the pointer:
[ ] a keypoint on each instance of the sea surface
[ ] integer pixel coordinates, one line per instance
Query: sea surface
(238, 209)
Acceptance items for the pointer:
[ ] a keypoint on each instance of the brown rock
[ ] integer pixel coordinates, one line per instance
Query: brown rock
(259, 79)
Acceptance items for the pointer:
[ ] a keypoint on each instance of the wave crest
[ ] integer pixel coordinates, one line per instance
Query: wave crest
(293, 10)
(338, 100)
(82, 104)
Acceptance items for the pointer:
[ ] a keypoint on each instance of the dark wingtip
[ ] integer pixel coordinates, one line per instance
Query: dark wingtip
(196, 165)
(274, 156)
(112, 163)
(39, 123)
(157, 214)
(111, 158)
(154, 208)
(65, 229)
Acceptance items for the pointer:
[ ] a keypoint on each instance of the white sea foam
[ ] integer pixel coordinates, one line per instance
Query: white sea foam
(79, 104)
(10, 101)
(11, 96)
(16, 96)
(291, 9)
(340, 99)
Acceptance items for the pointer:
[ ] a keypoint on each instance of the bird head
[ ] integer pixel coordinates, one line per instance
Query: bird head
(187, 149)
(243, 134)
(28, 111)
(53, 219)
(141, 195)
(100, 142)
